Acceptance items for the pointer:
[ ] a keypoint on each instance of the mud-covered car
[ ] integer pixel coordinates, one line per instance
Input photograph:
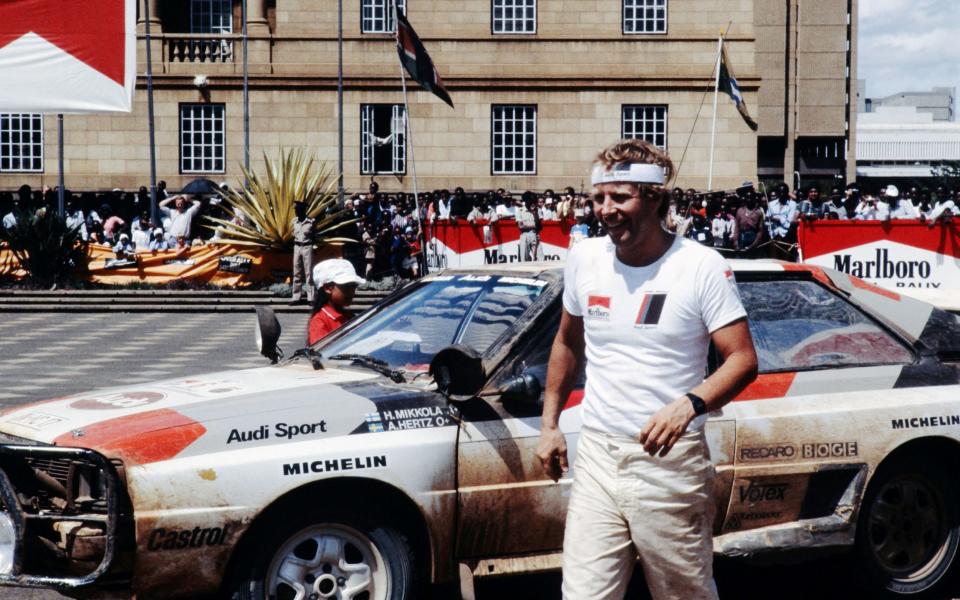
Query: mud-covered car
(399, 451)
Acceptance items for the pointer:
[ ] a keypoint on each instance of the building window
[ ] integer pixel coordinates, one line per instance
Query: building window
(644, 16)
(211, 16)
(202, 138)
(645, 122)
(514, 16)
(21, 143)
(376, 16)
(514, 147)
(383, 139)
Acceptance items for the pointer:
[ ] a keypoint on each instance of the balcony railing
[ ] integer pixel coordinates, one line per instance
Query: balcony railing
(199, 48)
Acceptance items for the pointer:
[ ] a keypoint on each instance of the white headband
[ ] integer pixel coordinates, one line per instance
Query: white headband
(628, 172)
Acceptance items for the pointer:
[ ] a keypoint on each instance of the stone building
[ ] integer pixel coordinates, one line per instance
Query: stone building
(539, 87)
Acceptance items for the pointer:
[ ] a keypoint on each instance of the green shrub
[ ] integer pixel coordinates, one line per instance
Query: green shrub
(47, 249)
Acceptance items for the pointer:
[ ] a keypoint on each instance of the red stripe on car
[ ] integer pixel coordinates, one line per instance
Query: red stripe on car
(138, 439)
(769, 385)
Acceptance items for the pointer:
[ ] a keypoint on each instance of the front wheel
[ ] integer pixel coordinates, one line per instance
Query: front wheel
(909, 531)
(338, 558)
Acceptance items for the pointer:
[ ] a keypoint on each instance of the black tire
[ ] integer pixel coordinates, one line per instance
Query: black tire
(314, 540)
(908, 532)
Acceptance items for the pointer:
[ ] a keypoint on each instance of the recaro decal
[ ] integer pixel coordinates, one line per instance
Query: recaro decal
(771, 452)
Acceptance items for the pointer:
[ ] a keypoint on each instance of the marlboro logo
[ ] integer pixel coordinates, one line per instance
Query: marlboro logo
(598, 307)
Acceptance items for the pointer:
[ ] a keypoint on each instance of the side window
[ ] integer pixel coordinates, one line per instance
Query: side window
(533, 354)
(799, 325)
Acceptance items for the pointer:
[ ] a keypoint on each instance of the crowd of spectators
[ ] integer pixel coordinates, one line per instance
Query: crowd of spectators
(748, 221)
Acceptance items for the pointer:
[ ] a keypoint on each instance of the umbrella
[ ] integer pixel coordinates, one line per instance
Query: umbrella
(200, 187)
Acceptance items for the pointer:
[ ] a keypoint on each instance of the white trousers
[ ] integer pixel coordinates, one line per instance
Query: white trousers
(625, 502)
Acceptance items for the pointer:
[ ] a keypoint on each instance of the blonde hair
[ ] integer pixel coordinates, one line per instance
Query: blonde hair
(641, 151)
(636, 151)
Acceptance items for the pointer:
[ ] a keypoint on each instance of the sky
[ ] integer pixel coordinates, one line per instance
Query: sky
(908, 45)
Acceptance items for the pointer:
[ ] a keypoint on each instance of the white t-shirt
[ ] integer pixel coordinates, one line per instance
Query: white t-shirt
(647, 329)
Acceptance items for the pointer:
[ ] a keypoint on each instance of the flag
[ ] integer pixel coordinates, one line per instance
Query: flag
(417, 62)
(728, 83)
(67, 56)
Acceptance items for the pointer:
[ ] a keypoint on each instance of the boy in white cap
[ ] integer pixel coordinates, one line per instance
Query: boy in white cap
(336, 282)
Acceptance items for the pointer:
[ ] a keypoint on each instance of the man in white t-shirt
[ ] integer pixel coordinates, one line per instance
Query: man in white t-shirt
(641, 307)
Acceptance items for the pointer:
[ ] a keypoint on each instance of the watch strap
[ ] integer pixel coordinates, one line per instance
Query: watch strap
(699, 406)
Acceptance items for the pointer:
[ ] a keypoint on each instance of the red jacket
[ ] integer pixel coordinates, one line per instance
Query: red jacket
(324, 321)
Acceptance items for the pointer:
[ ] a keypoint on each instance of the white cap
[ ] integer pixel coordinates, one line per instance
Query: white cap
(124, 236)
(892, 191)
(158, 230)
(335, 270)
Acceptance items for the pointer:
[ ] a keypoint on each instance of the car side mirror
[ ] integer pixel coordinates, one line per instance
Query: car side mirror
(458, 372)
(524, 388)
(268, 333)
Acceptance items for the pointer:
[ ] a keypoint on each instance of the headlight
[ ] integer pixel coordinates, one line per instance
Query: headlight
(8, 543)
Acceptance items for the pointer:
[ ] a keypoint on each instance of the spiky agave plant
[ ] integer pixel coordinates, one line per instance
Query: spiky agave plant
(265, 206)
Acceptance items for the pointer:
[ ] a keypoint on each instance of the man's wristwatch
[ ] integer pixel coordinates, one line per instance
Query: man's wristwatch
(699, 406)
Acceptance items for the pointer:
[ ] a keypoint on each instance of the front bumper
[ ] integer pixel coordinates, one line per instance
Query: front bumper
(66, 507)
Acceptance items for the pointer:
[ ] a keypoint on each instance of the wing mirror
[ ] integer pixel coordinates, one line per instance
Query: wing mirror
(458, 371)
(268, 333)
(525, 388)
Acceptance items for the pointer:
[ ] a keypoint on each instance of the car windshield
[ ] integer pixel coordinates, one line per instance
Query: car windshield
(473, 310)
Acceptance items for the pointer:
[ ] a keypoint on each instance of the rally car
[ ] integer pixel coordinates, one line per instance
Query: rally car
(398, 452)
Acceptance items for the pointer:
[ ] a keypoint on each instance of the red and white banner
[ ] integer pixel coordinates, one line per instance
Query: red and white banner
(903, 256)
(67, 56)
(461, 244)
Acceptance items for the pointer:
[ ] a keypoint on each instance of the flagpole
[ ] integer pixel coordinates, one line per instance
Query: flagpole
(246, 93)
(340, 192)
(154, 215)
(408, 130)
(60, 192)
(713, 129)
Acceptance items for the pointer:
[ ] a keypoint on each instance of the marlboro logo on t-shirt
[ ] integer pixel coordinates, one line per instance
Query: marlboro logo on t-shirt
(650, 309)
(598, 307)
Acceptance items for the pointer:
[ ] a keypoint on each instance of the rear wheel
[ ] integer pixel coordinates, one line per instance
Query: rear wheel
(909, 531)
(328, 557)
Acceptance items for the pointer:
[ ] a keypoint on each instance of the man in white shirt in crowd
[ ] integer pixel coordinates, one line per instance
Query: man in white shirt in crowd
(782, 213)
(901, 207)
(640, 308)
(181, 217)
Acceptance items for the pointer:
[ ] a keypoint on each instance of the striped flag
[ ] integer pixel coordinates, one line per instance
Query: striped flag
(728, 83)
(416, 61)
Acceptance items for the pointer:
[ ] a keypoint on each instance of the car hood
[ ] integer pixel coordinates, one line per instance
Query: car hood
(156, 421)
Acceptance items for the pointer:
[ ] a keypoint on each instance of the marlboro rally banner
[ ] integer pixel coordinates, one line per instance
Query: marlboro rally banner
(903, 256)
(463, 244)
(67, 56)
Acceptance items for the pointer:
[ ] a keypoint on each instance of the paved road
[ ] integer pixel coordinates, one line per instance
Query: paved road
(45, 355)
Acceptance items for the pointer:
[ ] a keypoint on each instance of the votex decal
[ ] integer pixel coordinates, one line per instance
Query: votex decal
(898, 256)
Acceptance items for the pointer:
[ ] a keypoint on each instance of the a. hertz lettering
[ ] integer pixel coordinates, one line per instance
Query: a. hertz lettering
(409, 418)
(283, 431)
(335, 465)
(882, 267)
(830, 450)
(774, 452)
(923, 422)
(762, 492)
(178, 539)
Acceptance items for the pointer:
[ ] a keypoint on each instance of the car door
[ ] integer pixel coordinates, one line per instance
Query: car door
(507, 504)
(796, 450)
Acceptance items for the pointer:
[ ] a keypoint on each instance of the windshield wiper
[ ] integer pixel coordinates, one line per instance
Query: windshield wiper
(370, 362)
(312, 354)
